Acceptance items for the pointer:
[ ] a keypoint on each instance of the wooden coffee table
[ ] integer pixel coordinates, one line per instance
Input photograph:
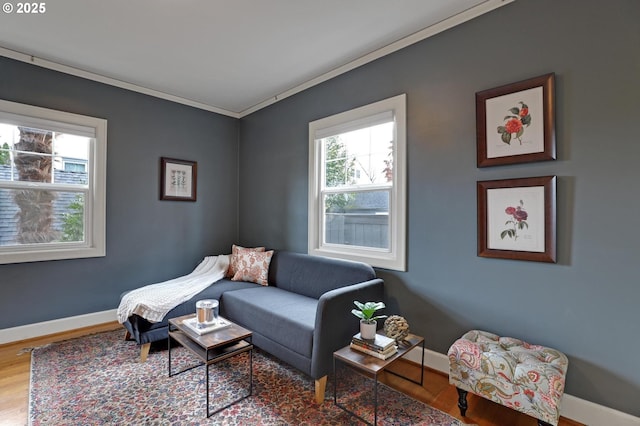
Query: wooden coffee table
(212, 348)
(371, 366)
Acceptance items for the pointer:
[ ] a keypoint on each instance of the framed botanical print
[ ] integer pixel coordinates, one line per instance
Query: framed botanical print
(178, 179)
(517, 219)
(515, 123)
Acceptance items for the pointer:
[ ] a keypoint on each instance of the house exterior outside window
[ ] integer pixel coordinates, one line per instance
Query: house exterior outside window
(48, 210)
(74, 165)
(357, 184)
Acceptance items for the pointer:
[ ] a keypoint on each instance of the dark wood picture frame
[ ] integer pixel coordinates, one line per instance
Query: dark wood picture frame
(178, 179)
(522, 208)
(525, 109)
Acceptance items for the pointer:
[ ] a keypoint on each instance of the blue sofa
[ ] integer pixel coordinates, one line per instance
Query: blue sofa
(301, 317)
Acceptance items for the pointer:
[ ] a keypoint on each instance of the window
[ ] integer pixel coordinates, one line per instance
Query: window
(357, 175)
(52, 184)
(74, 166)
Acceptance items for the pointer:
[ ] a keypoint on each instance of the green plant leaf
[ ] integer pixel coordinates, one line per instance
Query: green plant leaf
(357, 313)
(515, 110)
(520, 132)
(508, 232)
(506, 138)
(523, 104)
(526, 120)
(501, 129)
(366, 310)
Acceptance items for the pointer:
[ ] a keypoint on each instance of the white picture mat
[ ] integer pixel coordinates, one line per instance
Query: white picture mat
(533, 137)
(173, 190)
(530, 238)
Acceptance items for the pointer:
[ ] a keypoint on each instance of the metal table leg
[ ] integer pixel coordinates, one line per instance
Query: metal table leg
(335, 396)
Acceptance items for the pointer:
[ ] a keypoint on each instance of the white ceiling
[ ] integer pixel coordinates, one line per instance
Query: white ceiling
(227, 56)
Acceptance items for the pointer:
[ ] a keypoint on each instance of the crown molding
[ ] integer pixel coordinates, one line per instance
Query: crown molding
(34, 60)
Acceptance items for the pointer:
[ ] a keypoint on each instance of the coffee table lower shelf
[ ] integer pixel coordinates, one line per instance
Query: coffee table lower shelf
(210, 354)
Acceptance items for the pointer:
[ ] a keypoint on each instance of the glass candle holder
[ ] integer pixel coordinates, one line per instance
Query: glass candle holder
(206, 312)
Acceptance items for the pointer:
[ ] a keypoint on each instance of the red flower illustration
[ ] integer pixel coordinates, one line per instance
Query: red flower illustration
(520, 214)
(517, 221)
(513, 126)
(515, 123)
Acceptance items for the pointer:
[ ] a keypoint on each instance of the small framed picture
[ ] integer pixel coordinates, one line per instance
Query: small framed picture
(517, 219)
(178, 179)
(515, 123)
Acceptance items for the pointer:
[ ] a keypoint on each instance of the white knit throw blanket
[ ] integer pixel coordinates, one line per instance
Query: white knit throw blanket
(154, 301)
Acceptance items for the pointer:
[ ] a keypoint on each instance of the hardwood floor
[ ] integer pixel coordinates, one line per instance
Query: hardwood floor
(15, 368)
(438, 393)
(15, 363)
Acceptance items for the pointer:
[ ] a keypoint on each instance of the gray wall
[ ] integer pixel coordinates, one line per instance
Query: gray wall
(147, 240)
(586, 304)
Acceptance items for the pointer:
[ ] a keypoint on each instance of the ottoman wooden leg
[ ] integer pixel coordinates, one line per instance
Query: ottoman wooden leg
(541, 423)
(462, 401)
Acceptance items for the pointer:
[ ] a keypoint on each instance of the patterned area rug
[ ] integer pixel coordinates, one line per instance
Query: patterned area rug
(97, 380)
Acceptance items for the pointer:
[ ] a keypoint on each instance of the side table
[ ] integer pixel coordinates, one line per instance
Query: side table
(211, 348)
(371, 367)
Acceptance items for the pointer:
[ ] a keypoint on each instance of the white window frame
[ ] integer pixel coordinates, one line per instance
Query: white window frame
(395, 257)
(95, 191)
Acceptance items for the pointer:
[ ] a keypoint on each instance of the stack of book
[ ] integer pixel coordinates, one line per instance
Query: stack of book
(381, 346)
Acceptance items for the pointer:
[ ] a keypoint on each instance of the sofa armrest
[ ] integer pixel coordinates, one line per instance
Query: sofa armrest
(335, 324)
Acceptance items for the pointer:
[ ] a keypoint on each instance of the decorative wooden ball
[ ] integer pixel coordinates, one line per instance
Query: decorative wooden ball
(396, 327)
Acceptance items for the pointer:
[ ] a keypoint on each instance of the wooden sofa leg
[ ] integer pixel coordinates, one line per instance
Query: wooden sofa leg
(144, 351)
(321, 385)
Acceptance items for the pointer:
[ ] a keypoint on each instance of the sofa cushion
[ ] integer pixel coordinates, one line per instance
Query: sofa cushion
(313, 276)
(285, 317)
(253, 266)
(236, 251)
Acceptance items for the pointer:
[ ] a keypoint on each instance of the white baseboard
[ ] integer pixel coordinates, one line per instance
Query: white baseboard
(31, 331)
(572, 407)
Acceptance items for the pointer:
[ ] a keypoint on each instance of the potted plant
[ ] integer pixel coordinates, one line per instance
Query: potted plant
(368, 324)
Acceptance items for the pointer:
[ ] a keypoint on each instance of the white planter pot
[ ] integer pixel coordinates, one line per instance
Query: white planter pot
(368, 329)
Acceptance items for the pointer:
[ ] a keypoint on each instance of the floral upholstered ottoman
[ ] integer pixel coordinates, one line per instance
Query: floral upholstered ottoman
(527, 378)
